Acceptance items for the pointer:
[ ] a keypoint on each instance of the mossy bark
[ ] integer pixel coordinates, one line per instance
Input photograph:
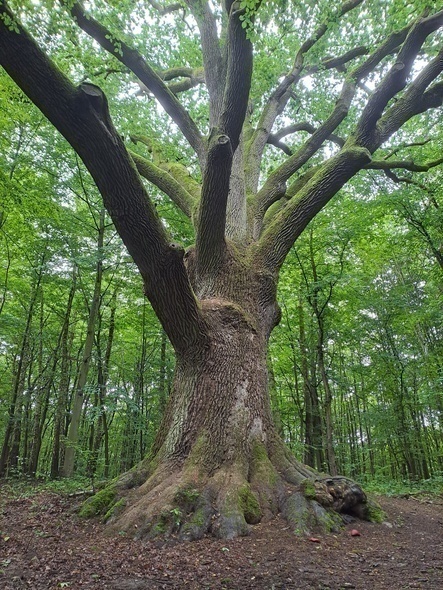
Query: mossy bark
(218, 465)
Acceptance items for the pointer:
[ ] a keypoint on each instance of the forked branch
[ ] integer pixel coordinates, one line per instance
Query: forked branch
(280, 96)
(213, 60)
(272, 187)
(223, 142)
(372, 128)
(395, 81)
(135, 62)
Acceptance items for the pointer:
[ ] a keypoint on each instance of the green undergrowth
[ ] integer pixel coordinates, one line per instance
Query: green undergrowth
(23, 487)
(387, 487)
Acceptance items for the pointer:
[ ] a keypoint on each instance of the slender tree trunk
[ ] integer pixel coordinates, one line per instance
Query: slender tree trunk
(63, 388)
(40, 413)
(72, 439)
(330, 451)
(102, 378)
(9, 454)
(163, 393)
(309, 454)
(8, 263)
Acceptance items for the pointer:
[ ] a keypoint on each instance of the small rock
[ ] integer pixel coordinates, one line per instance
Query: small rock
(355, 533)
(388, 524)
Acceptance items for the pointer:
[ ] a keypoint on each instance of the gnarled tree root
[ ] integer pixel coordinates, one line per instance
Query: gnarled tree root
(188, 504)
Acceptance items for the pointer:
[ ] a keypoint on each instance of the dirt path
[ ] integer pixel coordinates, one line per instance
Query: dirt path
(44, 545)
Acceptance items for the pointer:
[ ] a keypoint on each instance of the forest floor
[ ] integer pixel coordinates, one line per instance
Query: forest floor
(45, 545)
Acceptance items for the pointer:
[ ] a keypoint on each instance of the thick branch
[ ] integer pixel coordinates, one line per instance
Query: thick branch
(133, 60)
(275, 138)
(238, 79)
(192, 77)
(166, 183)
(396, 80)
(412, 103)
(300, 182)
(272, 187)
(279, 97)
(82, 116)
(183, 85)
(210, 241)
(332, 63)
(404, 165)
(213, 61)
(163, 10)
(287, 225)
(236, 208)
(223, 143)
(179, 172)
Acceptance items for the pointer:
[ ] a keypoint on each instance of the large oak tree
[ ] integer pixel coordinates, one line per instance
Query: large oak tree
(218, 463)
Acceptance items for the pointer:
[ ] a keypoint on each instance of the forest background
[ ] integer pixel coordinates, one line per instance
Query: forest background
(358, 351)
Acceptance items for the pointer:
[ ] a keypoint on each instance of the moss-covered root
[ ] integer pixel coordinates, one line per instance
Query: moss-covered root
(105, 503)
(319, 504)
(372, 511)
(237, 508)
(345, 496)
(306, 516)
(188, 505)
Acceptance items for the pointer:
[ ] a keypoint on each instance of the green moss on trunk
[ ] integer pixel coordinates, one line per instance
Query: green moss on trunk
(374, 511)
(115, 509)
(249, 505)
(308, 489)
(100, 503)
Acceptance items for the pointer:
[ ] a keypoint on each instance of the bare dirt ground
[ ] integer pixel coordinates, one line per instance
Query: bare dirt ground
(45, 545)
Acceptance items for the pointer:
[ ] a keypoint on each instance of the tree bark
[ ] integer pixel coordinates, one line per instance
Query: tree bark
(218, 463)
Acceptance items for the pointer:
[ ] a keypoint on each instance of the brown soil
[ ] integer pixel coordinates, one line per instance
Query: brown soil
(45, 545)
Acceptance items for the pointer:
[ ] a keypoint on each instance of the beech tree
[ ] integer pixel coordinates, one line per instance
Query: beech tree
(218, 463)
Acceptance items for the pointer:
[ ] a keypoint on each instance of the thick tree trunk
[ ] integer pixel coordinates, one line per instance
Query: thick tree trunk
(218, 464)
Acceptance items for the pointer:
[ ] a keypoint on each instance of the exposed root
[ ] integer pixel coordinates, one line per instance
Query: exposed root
(189, 504)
